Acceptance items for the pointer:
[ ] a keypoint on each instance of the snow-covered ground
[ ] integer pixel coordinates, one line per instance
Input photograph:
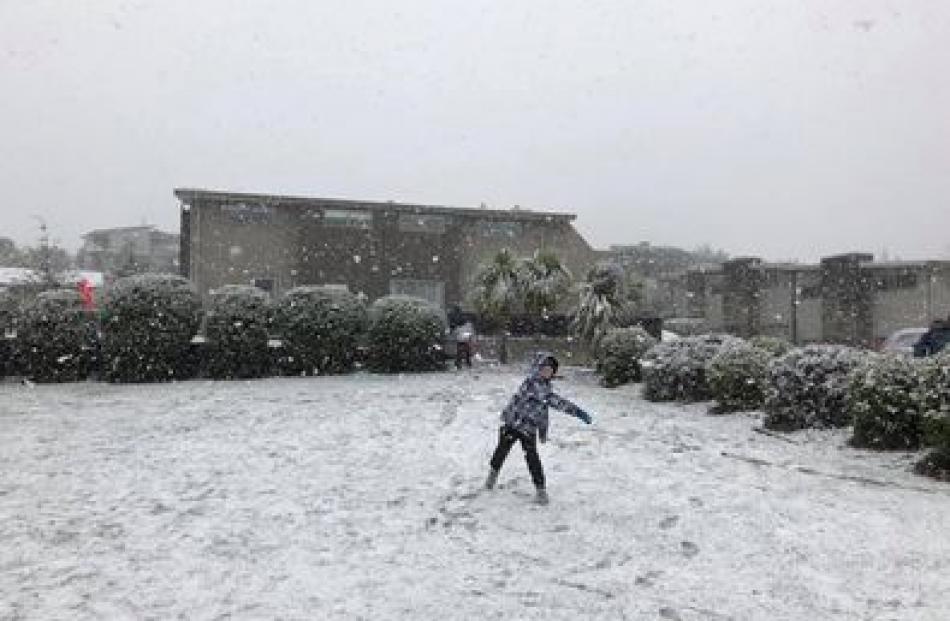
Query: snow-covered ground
(357, 498)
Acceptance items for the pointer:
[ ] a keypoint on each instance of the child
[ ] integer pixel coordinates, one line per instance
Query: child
(527, 416)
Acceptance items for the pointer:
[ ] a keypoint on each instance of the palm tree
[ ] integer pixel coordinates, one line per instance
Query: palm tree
(544, 282)
(497, 290)
(600, 300)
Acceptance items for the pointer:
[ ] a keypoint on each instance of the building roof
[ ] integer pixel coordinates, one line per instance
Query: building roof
(14, 276)
(143, 227)
(190, 196)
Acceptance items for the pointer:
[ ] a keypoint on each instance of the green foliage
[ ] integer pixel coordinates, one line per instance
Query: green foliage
(883, 401)
(237, 327)
(738, 377)
(321, 329)
(620, 352)
(776, 347)
(56, 338)
(808, 387)
(405, 335)
(148, 323)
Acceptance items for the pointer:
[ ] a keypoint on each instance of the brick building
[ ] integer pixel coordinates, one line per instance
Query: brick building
(375, 248)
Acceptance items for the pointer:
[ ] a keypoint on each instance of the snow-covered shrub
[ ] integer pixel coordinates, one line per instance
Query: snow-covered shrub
(8, 316)
(321, 328)
(676, 370)
(56, 338)
(237, 324)
(883, 402)
(619, 355)
(148, 323)
(934, 402)
(773, 345)
(405, 334)
(808, 387)
(738, 377)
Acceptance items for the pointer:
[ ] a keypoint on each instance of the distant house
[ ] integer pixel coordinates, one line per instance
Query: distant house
(375, 248)
(129, 250)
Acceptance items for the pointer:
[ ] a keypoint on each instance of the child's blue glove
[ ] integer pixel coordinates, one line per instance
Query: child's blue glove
(584, 416)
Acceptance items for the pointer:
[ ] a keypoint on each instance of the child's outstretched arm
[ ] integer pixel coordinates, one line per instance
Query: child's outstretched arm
(568, 407)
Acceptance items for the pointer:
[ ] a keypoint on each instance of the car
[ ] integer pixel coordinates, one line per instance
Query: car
(902, 341)
(934, 340)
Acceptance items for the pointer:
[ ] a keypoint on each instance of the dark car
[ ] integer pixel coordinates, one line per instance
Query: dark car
(933, 340)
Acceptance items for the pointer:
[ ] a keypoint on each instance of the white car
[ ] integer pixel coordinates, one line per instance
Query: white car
(902, 342)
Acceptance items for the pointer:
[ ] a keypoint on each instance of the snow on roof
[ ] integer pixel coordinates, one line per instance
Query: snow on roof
(11, 276)
(191, 196)
(97, 279)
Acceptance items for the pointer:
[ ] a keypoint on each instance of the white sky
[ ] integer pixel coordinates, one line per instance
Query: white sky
(778, 128)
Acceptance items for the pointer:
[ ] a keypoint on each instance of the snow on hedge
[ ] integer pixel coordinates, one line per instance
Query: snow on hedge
(237, 327)
(148, 323)
(934, 402)
(808, 387)
(883, 403)
(56, 338)
(676, 370)
(619, 354)
(773, 345)
(405, 334)
(321, 329)
(738, 376)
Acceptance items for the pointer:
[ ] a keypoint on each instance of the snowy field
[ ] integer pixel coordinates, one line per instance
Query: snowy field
(357, 498)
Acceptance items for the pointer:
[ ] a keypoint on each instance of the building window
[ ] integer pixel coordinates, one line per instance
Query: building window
(247, 213)
(899, 280)
(500, 228)
(264, 284)
(418, 223)
(347, 219)
(431, 290)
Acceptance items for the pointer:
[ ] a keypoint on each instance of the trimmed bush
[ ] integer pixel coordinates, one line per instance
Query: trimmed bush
(148, 323)
(236, 328)
(321, 328)
(773, 345)
(738, 377)
(934, 401)
(808, 387)
(882, 400)
(8, 319)
(405, 335)
(676, 370)
(619, 355)
(56, 338)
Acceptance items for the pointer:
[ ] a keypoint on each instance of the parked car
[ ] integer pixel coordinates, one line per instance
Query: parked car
(902, 341)
(933, 340)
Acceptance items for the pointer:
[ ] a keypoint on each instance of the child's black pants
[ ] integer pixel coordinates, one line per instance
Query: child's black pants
(506, 439)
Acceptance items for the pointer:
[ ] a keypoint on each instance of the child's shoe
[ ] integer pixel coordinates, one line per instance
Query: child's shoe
(542, 497)
(492, 479)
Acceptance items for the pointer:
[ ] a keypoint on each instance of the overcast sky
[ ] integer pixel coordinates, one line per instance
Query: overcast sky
(779, 128)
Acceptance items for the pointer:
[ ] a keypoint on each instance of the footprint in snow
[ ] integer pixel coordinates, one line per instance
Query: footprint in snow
(669, 522)
(689, 549)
